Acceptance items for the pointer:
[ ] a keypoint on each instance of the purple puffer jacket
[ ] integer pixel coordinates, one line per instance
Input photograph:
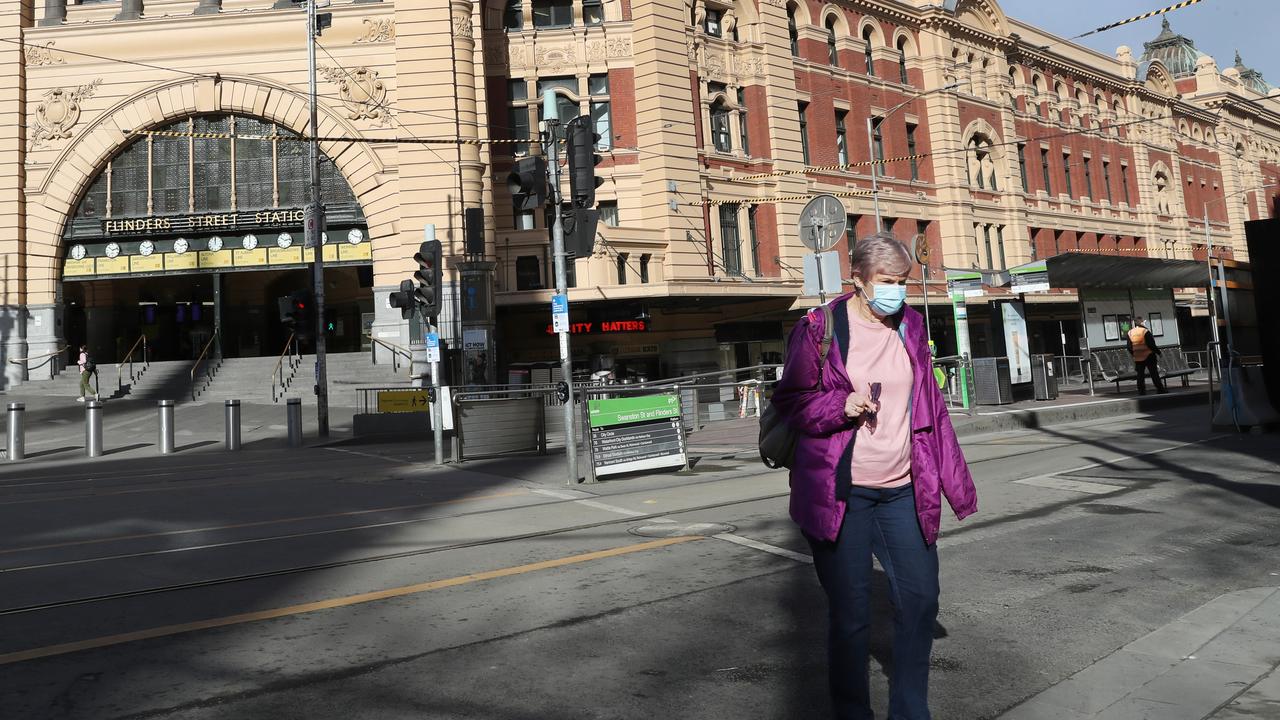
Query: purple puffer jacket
(825, 433)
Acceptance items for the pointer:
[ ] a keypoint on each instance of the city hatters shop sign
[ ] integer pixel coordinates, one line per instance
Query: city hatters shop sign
(224, 222)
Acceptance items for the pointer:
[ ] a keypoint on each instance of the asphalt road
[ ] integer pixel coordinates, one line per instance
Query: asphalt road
(356, 582)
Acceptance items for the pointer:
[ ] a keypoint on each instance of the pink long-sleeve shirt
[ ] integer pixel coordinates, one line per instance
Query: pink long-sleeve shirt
(882, 446)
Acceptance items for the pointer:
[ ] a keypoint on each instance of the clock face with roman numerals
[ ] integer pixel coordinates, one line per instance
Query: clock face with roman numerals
(77, 252)
(215, 244)
(113, 249)
(180, 245)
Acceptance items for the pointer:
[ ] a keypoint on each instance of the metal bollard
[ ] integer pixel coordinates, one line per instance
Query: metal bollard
(166, 426)
(93, 428)
(232, 414)
(293, 413)
(17, 432)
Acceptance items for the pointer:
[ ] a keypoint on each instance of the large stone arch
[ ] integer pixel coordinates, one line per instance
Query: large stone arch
(985, 14)
(1159, 79)
(101, 138)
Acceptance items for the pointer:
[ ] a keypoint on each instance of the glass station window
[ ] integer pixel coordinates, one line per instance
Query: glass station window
(171, 175)
(129, 180)
(255, 165)
(212, 170)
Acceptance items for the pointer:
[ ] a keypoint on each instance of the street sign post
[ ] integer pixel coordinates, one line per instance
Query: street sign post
(822, 274)
(560, 313)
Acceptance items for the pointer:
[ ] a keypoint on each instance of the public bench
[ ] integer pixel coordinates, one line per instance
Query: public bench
(1116, 364)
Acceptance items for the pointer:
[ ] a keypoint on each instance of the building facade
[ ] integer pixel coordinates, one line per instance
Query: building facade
(155, 176)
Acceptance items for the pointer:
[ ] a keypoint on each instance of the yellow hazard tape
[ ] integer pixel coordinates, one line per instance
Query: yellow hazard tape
(1136, 18)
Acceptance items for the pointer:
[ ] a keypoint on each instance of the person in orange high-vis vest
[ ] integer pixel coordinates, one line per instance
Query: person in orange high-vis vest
(1143, 348)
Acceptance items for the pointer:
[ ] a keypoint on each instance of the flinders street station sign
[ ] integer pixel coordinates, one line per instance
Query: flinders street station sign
(215, 222)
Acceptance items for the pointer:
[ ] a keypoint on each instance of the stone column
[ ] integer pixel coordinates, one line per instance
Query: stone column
(55, 12)
(130, 10)
(14, 296)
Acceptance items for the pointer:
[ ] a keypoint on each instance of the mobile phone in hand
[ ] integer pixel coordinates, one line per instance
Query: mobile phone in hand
(875, 398)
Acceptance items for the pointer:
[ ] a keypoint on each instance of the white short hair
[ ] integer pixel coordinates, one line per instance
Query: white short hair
(877, 253)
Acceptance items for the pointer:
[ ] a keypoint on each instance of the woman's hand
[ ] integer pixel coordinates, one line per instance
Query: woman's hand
(857, 404)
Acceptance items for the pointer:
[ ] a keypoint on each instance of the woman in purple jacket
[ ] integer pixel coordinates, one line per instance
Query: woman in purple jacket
(876, 453)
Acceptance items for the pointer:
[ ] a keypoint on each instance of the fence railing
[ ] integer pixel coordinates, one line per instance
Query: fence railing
(397, 352)
(286, 367)
(52, 361)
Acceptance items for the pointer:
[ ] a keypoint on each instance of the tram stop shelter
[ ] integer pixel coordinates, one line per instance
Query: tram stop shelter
(1112, 291)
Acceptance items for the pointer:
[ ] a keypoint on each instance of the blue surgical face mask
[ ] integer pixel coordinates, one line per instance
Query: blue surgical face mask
(887, 300)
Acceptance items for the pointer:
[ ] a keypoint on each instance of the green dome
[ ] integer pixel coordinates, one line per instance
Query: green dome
(1176, 52)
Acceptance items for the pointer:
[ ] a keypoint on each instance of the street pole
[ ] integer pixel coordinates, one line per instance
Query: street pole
(314, 231)
(437, 412)
(552, 150)
(1213, 302)
(875, 173)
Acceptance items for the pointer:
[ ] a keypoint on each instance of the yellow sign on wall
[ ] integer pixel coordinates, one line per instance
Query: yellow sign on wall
(219, 259)
(257, 256)
(403, 401)
(363, 251)
(146, 263)
(113, 266)
(331, 253)
(185, 261)
(284, 256)
(74, 268)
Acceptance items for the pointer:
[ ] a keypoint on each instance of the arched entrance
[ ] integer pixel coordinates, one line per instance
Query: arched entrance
(200, 231)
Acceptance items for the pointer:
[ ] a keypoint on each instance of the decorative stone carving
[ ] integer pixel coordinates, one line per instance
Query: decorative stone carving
(378, 30)
(776, 3)
(1163, 204)
(462, 26)
(42, 55)
(59, 113)
(554, 58)
(618, 47)
(596, 51)
(495, 52)
(515, 56)
(362, 92)
(751, 66)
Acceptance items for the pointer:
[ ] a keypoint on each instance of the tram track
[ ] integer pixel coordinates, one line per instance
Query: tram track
(382, 557)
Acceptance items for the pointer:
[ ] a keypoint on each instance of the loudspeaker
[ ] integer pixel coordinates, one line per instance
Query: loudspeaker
(473, 221)
(1263, 237)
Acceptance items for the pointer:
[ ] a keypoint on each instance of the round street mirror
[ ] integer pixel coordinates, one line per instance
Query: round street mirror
(822, 223)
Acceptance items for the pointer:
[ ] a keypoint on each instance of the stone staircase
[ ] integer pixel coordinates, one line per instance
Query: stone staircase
(244, 379)
(250, 379)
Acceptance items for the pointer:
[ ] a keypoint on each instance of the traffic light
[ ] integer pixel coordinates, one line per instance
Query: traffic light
(296, 312)
(284, 305)
(580, 231)
(581, 143)
(403, 299)
(428, 275)
(528, 184)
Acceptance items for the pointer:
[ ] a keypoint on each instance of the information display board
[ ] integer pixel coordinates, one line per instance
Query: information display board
(636, 433)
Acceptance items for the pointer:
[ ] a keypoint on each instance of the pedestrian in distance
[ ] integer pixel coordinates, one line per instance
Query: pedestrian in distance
(1142, 345)
(88, 368)
(875, 454)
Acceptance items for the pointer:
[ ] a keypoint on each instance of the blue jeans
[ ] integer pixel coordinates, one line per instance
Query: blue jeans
(882, 522)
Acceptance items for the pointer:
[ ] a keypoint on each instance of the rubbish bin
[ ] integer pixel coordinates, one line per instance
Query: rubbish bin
(1044, 377)
(991, 384)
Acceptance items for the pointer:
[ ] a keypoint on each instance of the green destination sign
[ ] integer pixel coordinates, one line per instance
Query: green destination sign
(621, 411)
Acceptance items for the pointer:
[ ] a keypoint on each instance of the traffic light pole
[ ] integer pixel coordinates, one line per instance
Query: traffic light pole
(552, 149)
(437, 414)
(314, 233)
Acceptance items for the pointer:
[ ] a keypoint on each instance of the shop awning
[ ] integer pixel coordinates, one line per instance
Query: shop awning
(1085, 271)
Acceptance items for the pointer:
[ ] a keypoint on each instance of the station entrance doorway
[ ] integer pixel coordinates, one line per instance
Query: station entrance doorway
(179, 314)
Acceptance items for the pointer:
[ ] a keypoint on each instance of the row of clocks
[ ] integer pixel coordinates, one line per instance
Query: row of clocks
(181, 245)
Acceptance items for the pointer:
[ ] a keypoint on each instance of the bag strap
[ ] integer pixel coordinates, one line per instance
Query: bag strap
(824, 348)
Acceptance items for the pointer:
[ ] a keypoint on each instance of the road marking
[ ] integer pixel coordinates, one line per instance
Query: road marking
(383, 458)
(582, 498)
(1061, 483)
(765, 547)
(259, 523)
(212, 623)
(1055, 480)
(728, 537)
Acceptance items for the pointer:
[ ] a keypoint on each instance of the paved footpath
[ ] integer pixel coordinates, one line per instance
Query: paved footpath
(1218, 661)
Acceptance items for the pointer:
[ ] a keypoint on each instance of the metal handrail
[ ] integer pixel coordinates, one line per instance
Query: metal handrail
(278, 379)
(49, 359)
(128, 358)
(209, 368)
(19, 361)
(692, 379)
(396, 351)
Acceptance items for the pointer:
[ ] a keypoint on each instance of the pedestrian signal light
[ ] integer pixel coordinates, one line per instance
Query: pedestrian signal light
(527, 183)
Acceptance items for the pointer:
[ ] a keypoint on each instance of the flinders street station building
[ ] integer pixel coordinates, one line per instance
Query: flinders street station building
(154, 175)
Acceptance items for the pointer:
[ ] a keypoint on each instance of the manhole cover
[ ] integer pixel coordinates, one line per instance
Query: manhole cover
(665, 530)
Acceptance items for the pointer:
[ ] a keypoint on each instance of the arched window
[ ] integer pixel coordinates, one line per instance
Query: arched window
(793, 31)
(902, 61)
(833, 55)
(866, 51)
(721, 137)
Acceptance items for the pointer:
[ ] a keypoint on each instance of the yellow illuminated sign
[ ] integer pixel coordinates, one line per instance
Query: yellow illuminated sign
(219, 259)
(284, 256)
(113, 266)
(363, 251)
(403, 401)
(331, 253)
(73, 268)
(185, 261)
(257, 256)
(146, 263)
